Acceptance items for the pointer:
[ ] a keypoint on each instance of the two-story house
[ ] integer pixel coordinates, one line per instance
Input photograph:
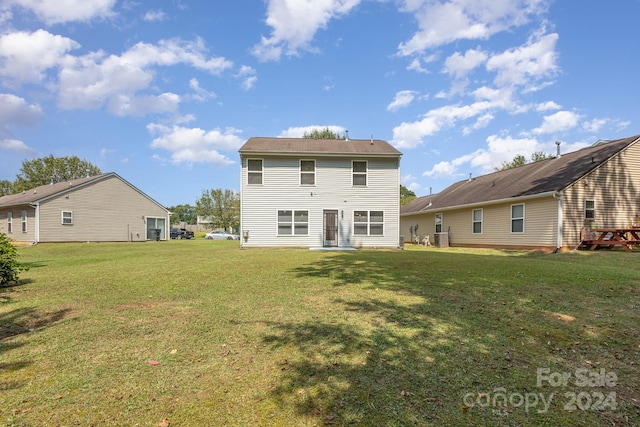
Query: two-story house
(318, 193)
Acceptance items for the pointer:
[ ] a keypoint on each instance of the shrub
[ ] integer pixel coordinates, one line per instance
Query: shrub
(9, 264)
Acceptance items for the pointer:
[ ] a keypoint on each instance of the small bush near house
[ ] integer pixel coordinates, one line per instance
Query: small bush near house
(9, 264)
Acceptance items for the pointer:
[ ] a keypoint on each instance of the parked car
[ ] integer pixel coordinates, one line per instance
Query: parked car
(221, 235)
(181, 233)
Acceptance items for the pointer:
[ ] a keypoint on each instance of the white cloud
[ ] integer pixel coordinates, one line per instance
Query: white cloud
(547, 106)
(200, 93)
(15, 110)
(195, 145)
(97, 79)
(526, 64)
(16, 146)
(443, 22)
(294, 23)
(402, 99)
(460, 65)
(558, 122)
(594, 125)
(154, 16)
(499, 149)
(61, 11)
(409, 135)
(298, 132)
(248, 77)
(24, 57)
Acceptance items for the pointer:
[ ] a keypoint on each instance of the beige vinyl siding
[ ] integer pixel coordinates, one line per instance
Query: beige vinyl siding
(16, 221)
(540, 225)
(615, 188)
(108, 210)
(333, 190)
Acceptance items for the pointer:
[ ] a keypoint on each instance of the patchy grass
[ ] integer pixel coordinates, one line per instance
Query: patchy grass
(203, 333)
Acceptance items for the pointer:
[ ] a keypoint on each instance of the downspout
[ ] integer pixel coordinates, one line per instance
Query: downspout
(36, 231)
(559, 196)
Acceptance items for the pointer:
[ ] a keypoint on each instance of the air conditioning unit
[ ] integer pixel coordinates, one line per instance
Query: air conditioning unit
(441, 240)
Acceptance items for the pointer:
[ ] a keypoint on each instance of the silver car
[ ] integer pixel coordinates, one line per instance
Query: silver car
(221, 235)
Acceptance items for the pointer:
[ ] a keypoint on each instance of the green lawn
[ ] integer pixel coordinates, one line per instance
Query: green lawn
(203, 333)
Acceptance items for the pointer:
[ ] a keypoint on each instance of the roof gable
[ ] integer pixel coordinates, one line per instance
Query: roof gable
(323, 147)
(545, 176)
(45, 192)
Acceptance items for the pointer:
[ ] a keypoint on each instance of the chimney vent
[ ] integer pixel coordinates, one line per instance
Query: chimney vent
(558, 149)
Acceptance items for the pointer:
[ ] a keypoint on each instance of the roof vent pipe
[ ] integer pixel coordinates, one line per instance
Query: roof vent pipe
(470, 175)
(558, 149)
(346, 134)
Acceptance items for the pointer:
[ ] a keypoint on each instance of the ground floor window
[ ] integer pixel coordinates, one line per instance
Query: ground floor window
(24, 221)
(67, 217)
(438, 223)
(293, 222)
(368, 223)
(517, 218)
(477, 221)
(589, 209)
(9, 222)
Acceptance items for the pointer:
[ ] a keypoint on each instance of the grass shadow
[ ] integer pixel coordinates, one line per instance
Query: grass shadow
(418, 333)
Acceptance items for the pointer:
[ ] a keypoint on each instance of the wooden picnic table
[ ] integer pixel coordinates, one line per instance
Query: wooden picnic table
(611, 238)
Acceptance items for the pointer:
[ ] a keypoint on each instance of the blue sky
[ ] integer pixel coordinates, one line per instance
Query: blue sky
(165, 92)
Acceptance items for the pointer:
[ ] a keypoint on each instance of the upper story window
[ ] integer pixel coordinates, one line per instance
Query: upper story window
(589, 209)
(517, 218)
(368, 223)
(438, 223)
(307, 172)
(9, 222)
(254, 171)
(359, 169)
(24, 221)
(477, 221)
(67, 217)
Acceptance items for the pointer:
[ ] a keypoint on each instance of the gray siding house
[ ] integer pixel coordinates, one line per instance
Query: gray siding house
(94, 209)
(542, 205)
(312, 193)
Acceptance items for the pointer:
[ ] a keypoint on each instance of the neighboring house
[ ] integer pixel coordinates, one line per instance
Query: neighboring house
(315, 193)
(94, 209)
(541, 205)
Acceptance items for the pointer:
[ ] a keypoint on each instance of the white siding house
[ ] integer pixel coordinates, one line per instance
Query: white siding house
(319, 193)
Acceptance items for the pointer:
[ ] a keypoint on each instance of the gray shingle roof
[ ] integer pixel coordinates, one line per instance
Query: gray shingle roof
(296, 146)
(44, 191)
(541, 177)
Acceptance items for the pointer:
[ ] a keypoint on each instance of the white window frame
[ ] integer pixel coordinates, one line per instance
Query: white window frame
(519, 219)
(368, 225)
(307, 174)
(24, 221)
(591, 209)
(438, 223)
(355, 173)
(9, 222)
(255, 173)
(298, 225)
(67, 218)
(475, 221)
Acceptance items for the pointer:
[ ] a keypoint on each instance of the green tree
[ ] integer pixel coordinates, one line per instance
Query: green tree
(43, 170)
(5, 187)
(520, 160)
(10, 266)
(183, 214)
(406, 195)
(325, 133)
(222, 207)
